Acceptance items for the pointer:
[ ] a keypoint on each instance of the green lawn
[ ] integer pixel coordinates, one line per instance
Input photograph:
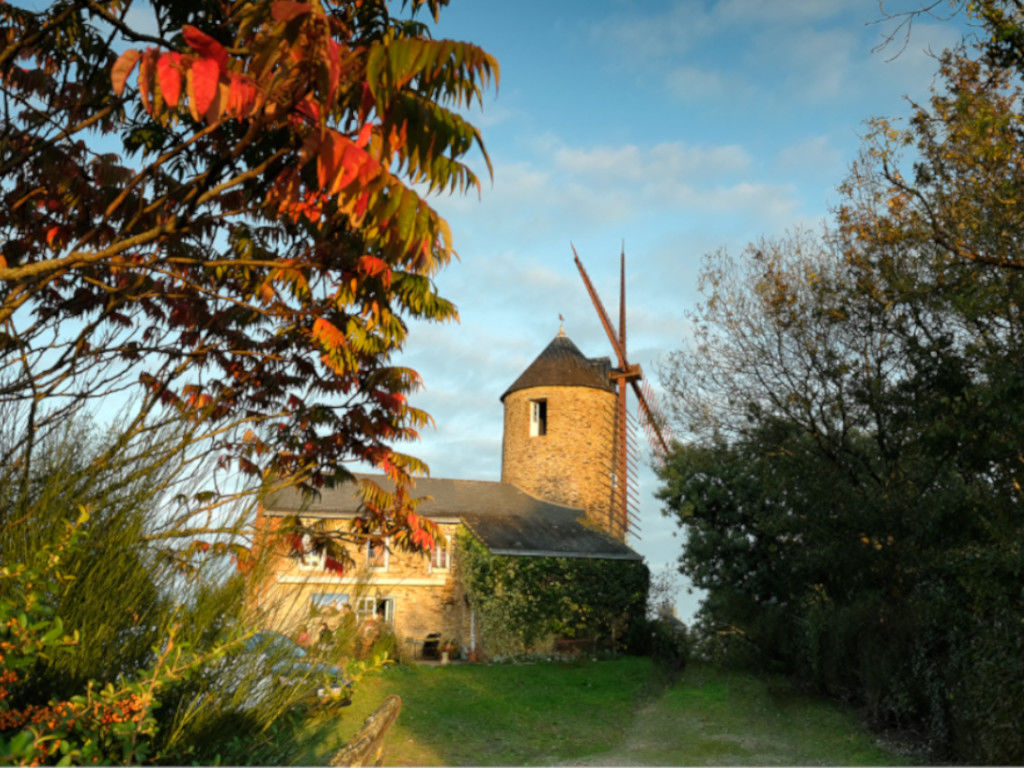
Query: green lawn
(599, 713)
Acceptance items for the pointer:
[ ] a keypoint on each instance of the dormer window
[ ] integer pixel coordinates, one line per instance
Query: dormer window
(538, 418)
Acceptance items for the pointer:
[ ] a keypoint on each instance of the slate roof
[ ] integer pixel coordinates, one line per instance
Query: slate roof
(561, 364)
(507, 520)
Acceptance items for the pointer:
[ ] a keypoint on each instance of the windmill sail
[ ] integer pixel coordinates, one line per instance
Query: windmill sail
(624, 497)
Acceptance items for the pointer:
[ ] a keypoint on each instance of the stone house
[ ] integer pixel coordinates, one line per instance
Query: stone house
(555, 499)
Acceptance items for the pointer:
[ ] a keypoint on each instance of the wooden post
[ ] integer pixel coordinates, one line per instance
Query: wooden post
(367, 747)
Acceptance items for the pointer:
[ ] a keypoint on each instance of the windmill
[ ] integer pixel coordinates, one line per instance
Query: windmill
(623, 511)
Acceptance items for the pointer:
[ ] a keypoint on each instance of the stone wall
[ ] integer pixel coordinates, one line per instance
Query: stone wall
(425, 599)
(571, 463)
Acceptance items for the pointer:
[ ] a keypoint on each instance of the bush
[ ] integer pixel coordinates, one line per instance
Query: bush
(524, 603)
(122, 629)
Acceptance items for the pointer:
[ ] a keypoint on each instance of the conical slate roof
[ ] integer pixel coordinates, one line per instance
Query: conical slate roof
(561, 364)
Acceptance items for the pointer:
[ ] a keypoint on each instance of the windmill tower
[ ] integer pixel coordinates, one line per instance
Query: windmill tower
(567, 436)
(624, 513)
(559, 429)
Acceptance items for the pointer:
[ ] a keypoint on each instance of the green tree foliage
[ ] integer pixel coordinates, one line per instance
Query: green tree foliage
(851, 486)
(521, 602)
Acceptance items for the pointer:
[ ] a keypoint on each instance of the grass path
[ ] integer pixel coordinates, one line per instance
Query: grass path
(714, 717)
(600, 713)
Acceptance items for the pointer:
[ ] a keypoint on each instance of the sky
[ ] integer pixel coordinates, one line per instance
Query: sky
(672, 129)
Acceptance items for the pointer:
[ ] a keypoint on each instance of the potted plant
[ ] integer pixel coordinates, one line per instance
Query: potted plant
(449, 651)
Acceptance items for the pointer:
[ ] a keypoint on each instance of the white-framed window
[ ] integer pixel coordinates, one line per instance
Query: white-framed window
(377, 555)
(538, 418)
(441, 554)
(381, 608)
(309, 560)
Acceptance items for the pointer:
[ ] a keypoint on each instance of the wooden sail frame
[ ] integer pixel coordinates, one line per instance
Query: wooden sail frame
(625, 375)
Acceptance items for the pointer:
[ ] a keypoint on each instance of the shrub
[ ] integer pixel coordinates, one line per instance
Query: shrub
(131, 620)
(523, 603)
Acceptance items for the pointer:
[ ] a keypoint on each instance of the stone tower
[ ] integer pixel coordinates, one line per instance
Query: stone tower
(559, 432)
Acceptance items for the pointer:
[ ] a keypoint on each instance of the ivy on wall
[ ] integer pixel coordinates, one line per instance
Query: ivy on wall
(520, 602)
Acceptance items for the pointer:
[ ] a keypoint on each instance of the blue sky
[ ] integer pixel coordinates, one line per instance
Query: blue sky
(677, 128)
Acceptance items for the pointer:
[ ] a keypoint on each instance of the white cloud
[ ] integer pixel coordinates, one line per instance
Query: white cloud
(781, 12)
(649, 36)
(668, 159)
(815, 154)
(693, 84)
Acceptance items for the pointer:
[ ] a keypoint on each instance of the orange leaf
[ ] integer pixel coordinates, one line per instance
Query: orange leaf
(361, 205)
(145, 76)
(309, 108)
(241, 97)
(333, 68)
(169, 77)
(206, 47)
(371, 265)
(122, 68)
(364, 135)
(328, 335)
(203, 85)
(328, 159)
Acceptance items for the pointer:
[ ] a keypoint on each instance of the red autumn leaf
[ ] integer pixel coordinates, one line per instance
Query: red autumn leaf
(333, 69)
(364, 135)
(422, 539)
(328, 159)
(169, 77)
(203, 85)
(354, 163)
(334, 565)
(361, 205)
(309, 108)
(366, 102)
(371, 266)
(285, 11)
(208, 48)
(241, 96)
(52, 234)
(122, 68)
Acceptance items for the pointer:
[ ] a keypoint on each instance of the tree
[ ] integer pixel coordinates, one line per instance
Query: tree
(852, 487)
(221, 209)
(215, 224)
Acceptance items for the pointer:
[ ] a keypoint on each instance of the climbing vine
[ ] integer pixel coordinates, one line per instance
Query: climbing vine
(520, 602)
